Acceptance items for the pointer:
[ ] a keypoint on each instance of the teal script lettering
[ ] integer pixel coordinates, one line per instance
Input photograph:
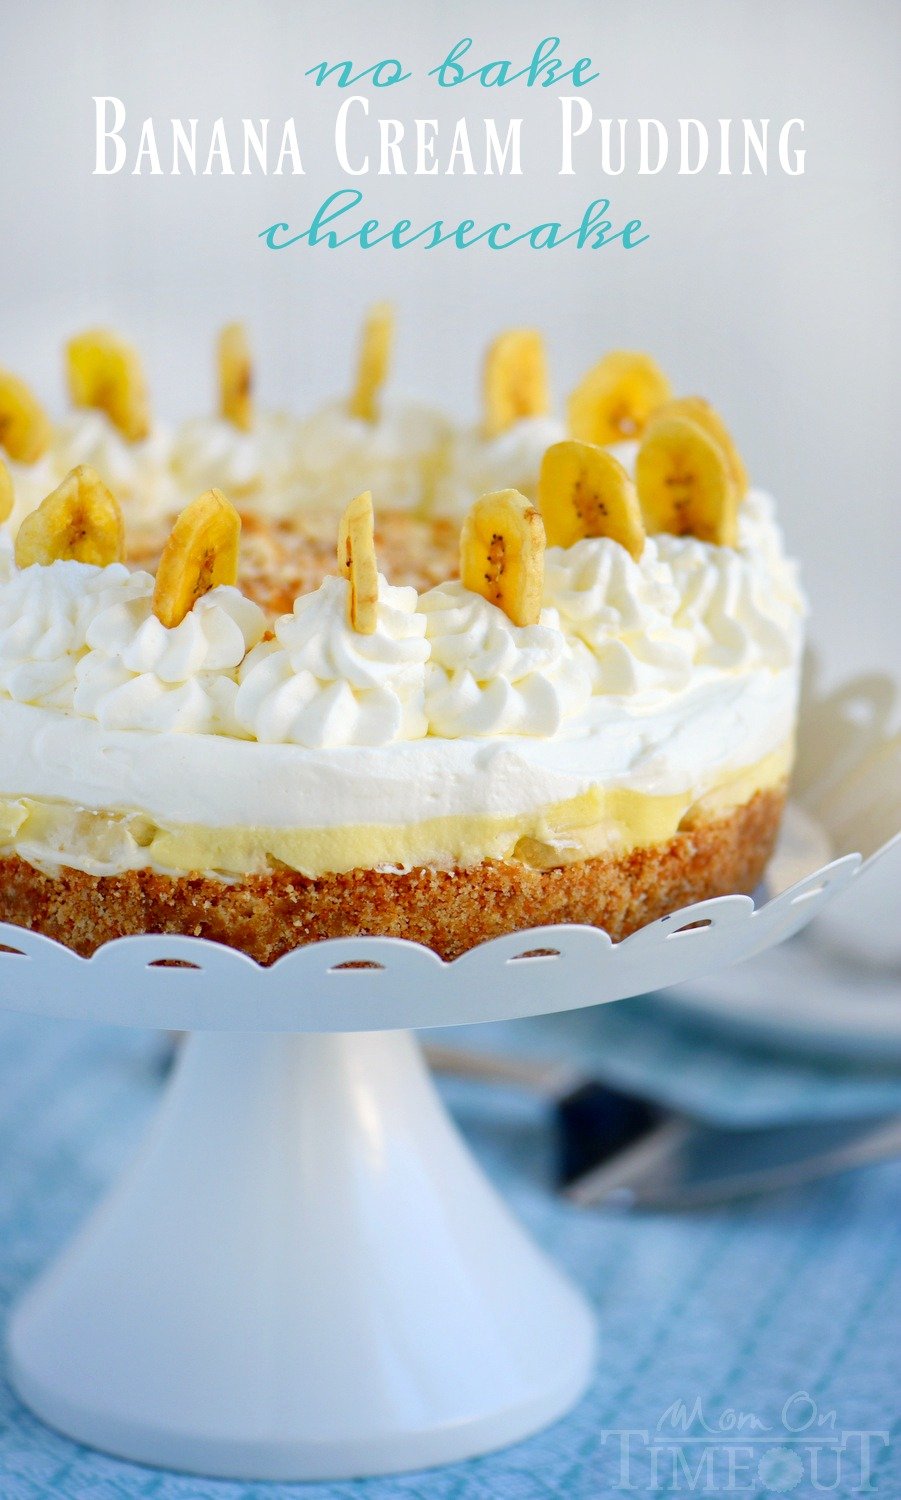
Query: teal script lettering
(545, 68)
(593, 232)
(382, 74)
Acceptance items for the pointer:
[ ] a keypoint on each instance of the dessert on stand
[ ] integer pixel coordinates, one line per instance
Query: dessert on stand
(297, 777)
(588, 716)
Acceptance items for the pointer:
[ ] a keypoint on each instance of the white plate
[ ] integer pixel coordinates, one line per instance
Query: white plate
(800, 996)
(835, 989)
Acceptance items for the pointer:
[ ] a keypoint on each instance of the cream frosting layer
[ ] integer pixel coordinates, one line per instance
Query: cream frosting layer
(45, 615)
(137, 674)
(31, 483)
(446, 663)
(684, 607)
(697, 742)
(134, 471)
(602, 821)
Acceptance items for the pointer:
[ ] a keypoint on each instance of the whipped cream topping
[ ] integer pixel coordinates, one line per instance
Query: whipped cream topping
(474, 465)
(45, 616)
(337, 455)
(32, 483)
(488, 676)
(620, 615)
(319, 683)
(132, 470)
(666, 677)
(211, 452)
(7, 554)
(684, 606)
(688, 743)
(140, 674)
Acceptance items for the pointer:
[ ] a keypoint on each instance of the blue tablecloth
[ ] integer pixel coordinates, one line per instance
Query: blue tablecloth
(738, 1310)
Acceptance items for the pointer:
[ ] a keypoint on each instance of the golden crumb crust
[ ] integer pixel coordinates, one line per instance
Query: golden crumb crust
(284, 557)
(447, 910)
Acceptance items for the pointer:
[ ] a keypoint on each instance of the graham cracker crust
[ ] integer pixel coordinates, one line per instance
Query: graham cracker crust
(282, 558)
(449, 911)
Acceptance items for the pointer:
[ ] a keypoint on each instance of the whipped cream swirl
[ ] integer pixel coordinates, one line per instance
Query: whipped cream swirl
(475, 465)
(7, 554)
(31, 484)
(337, 455)
(45, 616)
(140, 674)
(742, 606)
(619, 615)
(132, 470)
(488, 676)
(685, 606)
(209, 451)
(320, 683)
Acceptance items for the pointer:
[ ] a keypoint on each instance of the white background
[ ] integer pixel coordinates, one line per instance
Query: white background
(775, 296)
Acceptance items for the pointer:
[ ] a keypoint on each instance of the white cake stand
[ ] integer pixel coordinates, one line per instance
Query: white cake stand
(304, 1274)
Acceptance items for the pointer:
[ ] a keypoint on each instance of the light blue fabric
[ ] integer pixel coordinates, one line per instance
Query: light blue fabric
(643, 1046)
(738, 1308)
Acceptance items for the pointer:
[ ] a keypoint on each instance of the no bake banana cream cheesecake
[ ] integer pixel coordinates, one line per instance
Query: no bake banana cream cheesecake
(578, 705)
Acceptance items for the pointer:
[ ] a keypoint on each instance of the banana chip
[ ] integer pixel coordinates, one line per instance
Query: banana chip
(614, 401)
(357, 563)
(235, 377)
(25, 428)
(374, 362)
(583, 491)
(502, 554)
(201, 553)
(696, 409)
(80, 521)
(105, 373)
(515, 381)
(684, 483)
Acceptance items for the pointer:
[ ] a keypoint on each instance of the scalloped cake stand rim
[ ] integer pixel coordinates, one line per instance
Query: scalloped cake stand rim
(378, 983)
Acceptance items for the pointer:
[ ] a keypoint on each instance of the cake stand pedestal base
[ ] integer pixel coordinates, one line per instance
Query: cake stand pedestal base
(304, 1276)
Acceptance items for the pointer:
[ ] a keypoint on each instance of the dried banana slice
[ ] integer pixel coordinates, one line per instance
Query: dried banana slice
(684, 483)
(80, 521)
(373, 363)
(7, 493)
(25, 429)
(584, 491)
(200, 554)
(696, 409)
(502, 554)
(235, 377)
(105, 373)
(514, 380)
(357, 563)
(614, 400)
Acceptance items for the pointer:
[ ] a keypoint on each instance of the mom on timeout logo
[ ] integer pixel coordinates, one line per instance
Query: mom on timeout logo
(739, 1452)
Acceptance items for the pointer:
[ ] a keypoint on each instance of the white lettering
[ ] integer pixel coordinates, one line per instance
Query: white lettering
(105, 132)
(571, 132)
(341, 136)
